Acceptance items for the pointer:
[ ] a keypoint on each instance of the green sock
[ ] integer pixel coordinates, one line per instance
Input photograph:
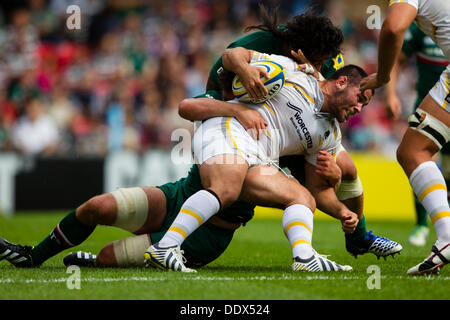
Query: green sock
(421, 213)
(360, 231)
(68, 233)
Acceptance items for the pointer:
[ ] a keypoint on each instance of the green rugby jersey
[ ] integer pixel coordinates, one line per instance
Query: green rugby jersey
(430, 60)
(265, 42)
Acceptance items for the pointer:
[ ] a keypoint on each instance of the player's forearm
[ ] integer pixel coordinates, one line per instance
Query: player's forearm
(327, 202)
(389, 47)
(236, 59)
(399, 18)
(399, 65)
(390, 87)
(205, 108)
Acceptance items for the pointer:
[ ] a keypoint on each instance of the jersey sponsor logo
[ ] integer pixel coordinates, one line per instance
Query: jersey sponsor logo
(447, 98)
(304, 129)
(299, 125)
(294, 107)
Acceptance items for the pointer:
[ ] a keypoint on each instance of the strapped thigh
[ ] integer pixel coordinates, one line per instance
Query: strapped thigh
(132, 208)
(430, 127)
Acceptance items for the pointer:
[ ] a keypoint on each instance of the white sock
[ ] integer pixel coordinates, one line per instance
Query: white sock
(197, 209)
(298, 228)
(429, 186)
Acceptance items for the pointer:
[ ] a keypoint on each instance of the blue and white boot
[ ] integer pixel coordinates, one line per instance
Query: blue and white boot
(379, 246)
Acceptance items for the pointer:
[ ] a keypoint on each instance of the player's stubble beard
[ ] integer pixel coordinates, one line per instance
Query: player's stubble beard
(334, 100)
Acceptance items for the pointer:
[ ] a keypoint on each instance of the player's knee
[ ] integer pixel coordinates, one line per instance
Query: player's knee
(228, 196)
(106, 258)
(301, 196)
(348, 170)
(97, 210)
(402, 155)
(350, 189)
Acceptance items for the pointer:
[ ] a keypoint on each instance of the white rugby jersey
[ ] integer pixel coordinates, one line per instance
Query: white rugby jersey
(295, 123)
(433, 18)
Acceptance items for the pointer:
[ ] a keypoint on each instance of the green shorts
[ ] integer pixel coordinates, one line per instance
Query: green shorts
(206, 243)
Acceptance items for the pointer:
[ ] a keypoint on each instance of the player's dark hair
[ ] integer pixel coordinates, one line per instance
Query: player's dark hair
(314, 34)
(353, 73)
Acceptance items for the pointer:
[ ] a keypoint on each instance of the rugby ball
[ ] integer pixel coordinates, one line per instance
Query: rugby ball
(273, 84)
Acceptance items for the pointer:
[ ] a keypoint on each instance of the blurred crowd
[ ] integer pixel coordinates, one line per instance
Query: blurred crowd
(116, 82)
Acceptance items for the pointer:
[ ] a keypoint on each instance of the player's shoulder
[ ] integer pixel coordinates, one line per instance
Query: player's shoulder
(260, 40)
(414, 3)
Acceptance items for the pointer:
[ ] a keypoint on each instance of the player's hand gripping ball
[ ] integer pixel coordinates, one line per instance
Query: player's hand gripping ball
(273, 84)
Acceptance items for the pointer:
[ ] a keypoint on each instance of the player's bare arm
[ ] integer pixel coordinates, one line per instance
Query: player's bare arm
(328, 168)
(393, 104)
(197, 109)
(399, 17)
(237, 60)
(306, 66)
(326, 199)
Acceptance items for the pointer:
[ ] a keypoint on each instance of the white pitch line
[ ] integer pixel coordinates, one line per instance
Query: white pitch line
(201, 278)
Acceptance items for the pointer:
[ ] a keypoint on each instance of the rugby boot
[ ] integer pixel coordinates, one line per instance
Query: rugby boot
(379, 246)
(418, 236)
(16, 254)
(439, 256)
(317, 263)
(81, 259)
(167, 259)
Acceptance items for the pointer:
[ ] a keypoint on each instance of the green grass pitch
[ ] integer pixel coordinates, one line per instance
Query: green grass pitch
(256, 266)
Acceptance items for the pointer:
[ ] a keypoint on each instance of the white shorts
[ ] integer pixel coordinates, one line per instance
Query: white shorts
(441, 90)
(221, 135)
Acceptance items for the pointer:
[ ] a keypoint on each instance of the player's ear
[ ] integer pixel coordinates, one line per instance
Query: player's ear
(342, 82)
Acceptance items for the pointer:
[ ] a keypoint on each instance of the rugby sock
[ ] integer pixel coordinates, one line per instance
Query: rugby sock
(360, 231)
(429, 186)
(298, 228)
(197, 209)
(68, 233)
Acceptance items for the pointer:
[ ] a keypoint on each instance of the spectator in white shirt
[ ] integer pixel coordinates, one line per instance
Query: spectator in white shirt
(35, 133)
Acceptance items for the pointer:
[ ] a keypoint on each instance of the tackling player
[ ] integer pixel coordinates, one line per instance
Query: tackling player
(430, 62)
(429, 126)
(302, 119)
(306, 32)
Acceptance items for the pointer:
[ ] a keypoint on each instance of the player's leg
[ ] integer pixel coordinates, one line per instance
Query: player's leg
(202, 247)
(127, 252)
(222, 177)
(428, 132)
(266, 186)
(351, 194)
(137, 210)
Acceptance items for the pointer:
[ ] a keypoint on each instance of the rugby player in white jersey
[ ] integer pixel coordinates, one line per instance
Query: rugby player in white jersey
(429, 126)
(301, 119)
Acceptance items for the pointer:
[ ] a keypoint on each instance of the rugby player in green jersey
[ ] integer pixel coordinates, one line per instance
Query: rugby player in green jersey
(148, 212)
(430, 62)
